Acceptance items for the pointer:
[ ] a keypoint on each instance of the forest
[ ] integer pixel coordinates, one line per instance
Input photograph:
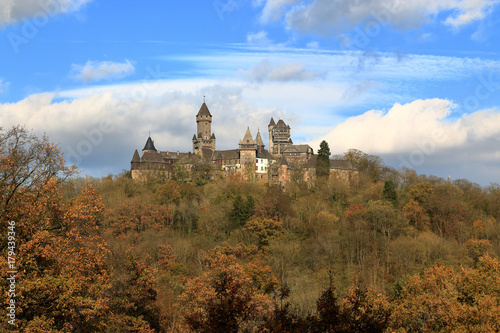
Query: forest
(387, 251)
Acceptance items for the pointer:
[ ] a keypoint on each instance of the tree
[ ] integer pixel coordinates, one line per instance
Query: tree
(222, 298)
(64, 277)
(442, 299)
(264, 230)
(27, 163)
(368, 164)
(323, 161)
(170, 192)
(364, 311)
(328, 310)
(242, 210)
(390, 192)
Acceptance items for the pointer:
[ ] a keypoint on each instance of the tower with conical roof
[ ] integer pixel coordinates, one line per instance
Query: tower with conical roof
(149, 146)
(259, 142)
(248, 152)
(270, 128)
(203, 139)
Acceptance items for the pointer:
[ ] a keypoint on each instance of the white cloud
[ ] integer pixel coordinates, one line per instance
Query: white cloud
(420, 135)
(469, 11)
(100, 70)
(169, 114)
(421, 124)
(12, 11)
(330, 17)
(287, 71)
(258, 38)
(167, 109)
(273, 9)
(3, 85)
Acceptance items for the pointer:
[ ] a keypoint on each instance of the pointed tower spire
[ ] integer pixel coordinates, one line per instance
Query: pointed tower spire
(136, 157)
(258, 139)
(247, 139)
(149, 145)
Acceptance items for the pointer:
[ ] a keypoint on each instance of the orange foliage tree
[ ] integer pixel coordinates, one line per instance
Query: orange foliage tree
(444, 300)
(222, 299)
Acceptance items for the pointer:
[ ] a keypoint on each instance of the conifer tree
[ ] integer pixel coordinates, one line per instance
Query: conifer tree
(323, 161)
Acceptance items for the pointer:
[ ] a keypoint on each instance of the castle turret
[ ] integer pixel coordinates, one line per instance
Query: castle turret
(248, 152)
(270, 128)
(279, 137)
(204, 138)
(149, 146)
(259, 142)
(136, 160)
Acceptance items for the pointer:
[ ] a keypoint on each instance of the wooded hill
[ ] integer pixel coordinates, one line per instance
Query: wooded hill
(388, 251)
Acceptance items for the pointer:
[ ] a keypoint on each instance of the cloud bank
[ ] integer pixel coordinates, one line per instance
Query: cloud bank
(287, 71)
(12, 11)
(330, 17)
(410, 126)
(101, 70)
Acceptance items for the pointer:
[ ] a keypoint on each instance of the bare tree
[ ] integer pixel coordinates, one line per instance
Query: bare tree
(27, 163)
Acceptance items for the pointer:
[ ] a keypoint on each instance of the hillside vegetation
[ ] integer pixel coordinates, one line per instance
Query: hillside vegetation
(387, 251)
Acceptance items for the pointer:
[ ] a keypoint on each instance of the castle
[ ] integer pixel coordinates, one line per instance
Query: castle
(251, 159)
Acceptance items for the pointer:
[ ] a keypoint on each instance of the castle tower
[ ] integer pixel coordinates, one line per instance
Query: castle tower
(259, 142)
(248, 152)
(135, 164)
(279, 137)
(270, 128)
(204, 139)
(149, 146)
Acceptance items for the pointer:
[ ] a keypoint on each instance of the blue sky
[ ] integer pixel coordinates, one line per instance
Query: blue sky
(417, 83)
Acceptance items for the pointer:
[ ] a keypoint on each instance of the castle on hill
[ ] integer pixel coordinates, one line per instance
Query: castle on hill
(251, 158)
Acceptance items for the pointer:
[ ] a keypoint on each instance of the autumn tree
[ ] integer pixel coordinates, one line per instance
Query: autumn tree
(442, 299)
(27, 163)
(364, 311)
(264, 230)
(222, 299)
(170, 192)
(370, 165)
(64, 277)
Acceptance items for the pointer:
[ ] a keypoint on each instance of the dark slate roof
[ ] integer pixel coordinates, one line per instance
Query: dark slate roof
(296, 148)
(232, 154)
(136, 157)
(213, 135)
(204, 111)
(265, 154)
(157, 157)
(290, 149)
(272, 123)
(194, 137)
(149, 145)
(152, 156)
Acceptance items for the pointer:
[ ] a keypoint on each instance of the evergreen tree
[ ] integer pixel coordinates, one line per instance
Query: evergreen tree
(323, 161)
(242, 210)
(390, 192)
